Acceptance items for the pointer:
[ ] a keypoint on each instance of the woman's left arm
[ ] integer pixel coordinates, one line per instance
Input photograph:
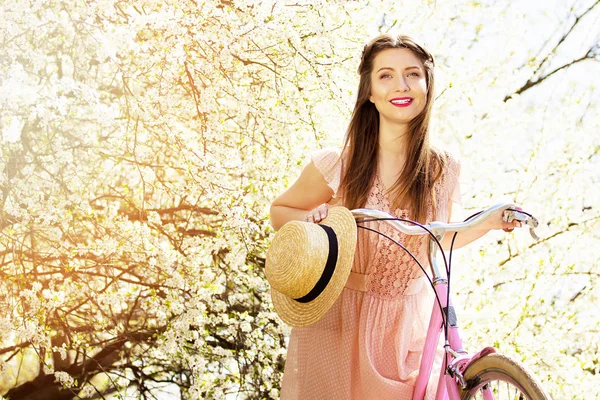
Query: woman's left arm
(464, 238)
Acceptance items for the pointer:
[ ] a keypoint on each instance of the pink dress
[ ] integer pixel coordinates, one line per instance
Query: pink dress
(369, 344)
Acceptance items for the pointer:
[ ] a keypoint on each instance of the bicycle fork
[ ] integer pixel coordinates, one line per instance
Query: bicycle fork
(456, 359)
(450, 374)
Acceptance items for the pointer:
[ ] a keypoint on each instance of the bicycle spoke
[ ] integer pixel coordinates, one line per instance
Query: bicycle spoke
(497, 377)
(500, 390)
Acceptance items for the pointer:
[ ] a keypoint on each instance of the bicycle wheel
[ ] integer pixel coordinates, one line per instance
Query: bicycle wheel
(498, 377)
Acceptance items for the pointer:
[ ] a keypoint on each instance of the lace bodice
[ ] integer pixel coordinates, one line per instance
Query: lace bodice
(391, 271)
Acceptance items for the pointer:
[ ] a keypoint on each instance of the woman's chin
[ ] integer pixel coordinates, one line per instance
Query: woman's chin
(402, 119)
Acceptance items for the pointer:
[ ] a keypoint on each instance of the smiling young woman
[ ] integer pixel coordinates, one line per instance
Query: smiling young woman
(393, 69)
(369, 343)
(399, 87)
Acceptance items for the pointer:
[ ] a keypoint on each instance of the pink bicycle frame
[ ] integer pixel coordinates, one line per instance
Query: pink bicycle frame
(450, 381)
(455, 357)
(446, 383)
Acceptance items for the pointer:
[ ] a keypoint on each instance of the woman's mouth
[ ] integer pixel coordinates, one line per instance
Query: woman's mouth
(402, 101)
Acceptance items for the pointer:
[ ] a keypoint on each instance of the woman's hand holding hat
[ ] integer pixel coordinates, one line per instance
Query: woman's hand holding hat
(317, 214)
(308, 265)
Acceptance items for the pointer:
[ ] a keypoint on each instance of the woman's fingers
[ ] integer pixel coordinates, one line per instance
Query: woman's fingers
(317, 215)
(322, 211)
(510, 226)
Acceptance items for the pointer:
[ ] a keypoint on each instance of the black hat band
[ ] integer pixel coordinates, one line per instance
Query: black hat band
(327, 271)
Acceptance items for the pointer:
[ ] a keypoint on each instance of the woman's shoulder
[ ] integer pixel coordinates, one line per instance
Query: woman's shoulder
(328, 162)
(449, 181)
(449, 162)
(328, 157)
(330, 152)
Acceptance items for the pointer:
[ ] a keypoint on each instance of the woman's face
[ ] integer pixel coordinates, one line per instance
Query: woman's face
(398, 85)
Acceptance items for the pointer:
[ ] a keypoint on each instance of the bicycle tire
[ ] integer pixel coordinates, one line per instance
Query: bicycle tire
(498, 368)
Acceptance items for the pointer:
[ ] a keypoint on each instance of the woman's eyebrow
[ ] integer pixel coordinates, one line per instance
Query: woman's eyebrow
(392, 69)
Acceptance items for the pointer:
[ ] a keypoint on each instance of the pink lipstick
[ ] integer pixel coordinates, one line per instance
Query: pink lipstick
(401, 101)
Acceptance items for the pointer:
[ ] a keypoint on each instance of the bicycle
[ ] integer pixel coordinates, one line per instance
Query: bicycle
(487, 374)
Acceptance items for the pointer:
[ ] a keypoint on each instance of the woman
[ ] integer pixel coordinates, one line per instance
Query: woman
(369, 344)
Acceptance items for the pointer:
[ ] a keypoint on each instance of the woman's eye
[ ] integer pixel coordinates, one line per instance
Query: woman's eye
(414, 74)
(385, 76)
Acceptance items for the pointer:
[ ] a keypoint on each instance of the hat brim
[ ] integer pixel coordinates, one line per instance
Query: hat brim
(298, 314)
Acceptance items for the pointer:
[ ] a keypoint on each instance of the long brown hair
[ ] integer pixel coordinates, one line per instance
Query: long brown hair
(423, 166)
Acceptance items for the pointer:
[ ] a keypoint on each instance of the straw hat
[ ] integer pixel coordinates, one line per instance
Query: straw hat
(308, 265)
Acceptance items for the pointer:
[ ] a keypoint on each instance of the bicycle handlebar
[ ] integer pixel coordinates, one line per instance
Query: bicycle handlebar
(440, 228)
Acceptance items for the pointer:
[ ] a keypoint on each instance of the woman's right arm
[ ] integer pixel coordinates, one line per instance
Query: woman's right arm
(308, 194)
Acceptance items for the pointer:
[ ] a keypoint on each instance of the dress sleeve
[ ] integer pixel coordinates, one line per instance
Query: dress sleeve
(454, 180)
(329, 164)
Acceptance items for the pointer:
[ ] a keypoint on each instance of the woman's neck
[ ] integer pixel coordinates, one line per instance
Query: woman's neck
(392, 143)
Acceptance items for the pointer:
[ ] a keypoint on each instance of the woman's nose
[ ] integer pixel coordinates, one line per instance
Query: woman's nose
(402, 85)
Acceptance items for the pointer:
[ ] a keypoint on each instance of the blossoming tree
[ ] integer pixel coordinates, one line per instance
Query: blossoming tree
(142, 142)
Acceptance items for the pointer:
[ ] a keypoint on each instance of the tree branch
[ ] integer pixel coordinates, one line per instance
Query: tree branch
(44, 386)
(533, 81)
(555, 234)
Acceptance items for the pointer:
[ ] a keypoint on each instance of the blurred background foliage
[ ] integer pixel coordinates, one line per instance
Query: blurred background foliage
(143, 141)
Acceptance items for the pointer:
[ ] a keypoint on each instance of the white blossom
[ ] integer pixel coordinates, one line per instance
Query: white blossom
(64, 379)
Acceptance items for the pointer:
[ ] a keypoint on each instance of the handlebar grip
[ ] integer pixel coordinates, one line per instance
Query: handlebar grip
(528, 219)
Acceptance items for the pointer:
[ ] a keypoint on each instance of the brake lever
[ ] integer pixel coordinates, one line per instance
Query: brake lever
(531, 221)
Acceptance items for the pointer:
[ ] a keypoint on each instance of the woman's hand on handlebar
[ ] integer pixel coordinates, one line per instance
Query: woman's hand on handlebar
(498, 221)
(510, 226)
